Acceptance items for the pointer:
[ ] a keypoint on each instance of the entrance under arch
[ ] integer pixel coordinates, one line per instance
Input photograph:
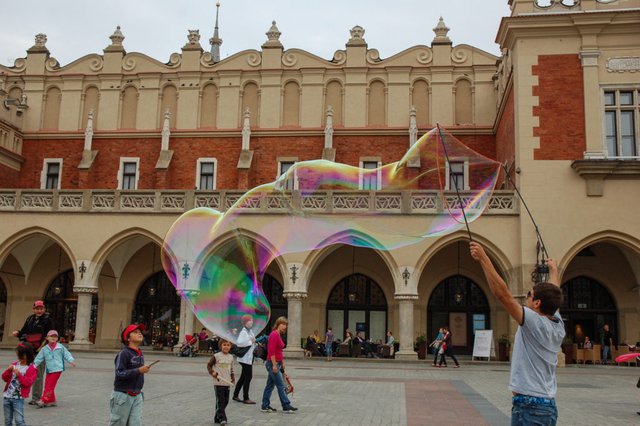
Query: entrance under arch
(275, 295)
(459, 303)
(3, 308)
(62, 305)
(358, 303)
(158, 308)
(586, 308)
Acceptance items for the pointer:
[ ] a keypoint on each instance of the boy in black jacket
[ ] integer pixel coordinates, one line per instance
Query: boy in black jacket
(126, 399)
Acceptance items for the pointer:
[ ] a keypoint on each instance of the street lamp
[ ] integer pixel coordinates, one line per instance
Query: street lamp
(540, 272)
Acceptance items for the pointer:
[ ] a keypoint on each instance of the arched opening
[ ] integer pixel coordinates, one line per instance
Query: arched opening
(464, 102)
(52, 109)
(420, 99)
(91, 103)
(587, 307)
(291, 104)
(250, 100)
(209, 106)
(157, 306)
(169, 103)
(62, 305)
(377, 104)
(3, 308)
(459, 303)
(274, 292)
(129, 108)
(358, 303)
(334, 100)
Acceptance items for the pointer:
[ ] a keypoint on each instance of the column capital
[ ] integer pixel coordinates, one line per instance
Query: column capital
(85, 290)
(400, 297)
(589, 58)
(294, 295)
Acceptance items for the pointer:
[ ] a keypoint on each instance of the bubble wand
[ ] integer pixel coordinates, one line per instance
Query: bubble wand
(446, 155)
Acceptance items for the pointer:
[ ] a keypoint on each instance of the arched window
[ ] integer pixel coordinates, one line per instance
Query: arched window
(3, 307)
(334, 99)
(169, 102)
(377, 101)
(420, 99)
(91, 99)
(250, 100)
(129, 108)
(461, 304)
(358, 303)
(52, 109)
(62, 305)
(158, 308)
(463, 102)
(209, 106)
(291, 104)
(587, 307)
(274, 292)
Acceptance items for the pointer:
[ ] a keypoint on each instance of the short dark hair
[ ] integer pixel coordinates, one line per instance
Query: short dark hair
(550, 297)
(25, 349)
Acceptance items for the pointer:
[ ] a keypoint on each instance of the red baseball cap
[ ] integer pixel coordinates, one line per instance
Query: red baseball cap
(127, 331)
(38, 303)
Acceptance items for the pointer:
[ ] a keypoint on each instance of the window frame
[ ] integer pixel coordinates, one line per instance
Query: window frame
(361, 173)
(617, 109)
(44, 174)
(287, 160)
(123, 161)
(199, 163)
(465, 176)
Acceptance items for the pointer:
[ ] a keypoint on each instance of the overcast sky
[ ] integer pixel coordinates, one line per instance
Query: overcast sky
(157, 28)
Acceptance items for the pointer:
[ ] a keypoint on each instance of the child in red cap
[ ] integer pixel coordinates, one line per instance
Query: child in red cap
(126, 399)
(53, 354)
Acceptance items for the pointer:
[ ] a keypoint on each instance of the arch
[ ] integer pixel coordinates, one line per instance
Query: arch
(209, 106)
(129, 107)
(250, 100)
(14, 240)
(460, 303)
(274, 291)
(157, 306)
(3, 307)
(62, 305)
(169, 102)
(463, 102)
(51, 118)
(376, 104)
(587, 306)
(102, 253)
(357, 302)
(291, 104)
(420, 100)
(334, 99)
(91, 103)
(619, 238)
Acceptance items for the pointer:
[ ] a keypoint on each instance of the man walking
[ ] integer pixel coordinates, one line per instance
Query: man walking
(537, 343)
(607, 343)
(34, 331)
(127, 397)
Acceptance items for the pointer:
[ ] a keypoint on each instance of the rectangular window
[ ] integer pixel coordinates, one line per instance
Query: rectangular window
(369, 179)
(287, 184)
(53, 175)
(128, 174)
(206, 174)
(621, 118)
(456, 175)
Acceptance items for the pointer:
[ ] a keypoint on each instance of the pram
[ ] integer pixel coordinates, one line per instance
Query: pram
(189, 347)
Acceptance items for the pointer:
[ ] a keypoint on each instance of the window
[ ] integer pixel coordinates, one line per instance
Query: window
(206, 174)
(621, 117)
(51, 172)
(457, 176)
(128, 174)
(370, 175)
(287, 183)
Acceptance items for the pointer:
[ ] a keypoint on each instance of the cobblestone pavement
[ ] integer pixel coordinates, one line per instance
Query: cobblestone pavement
(343, 392)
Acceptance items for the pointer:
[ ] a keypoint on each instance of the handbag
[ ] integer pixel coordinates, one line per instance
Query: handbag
(240, 351)
(288, 386)
(260, 352)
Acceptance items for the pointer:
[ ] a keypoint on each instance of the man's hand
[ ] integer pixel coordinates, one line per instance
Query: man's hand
(15, 333)
(553, 272)
(144, 369)
(477, 252)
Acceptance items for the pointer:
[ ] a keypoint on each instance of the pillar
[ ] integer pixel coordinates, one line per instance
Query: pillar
(83, 317)
(294, 329)
(405, 335)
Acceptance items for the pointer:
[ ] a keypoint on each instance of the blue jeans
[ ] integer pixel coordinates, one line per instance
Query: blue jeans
(526, 413)
(126, 410)
(274, 379)
(14, 408)
(606, 350)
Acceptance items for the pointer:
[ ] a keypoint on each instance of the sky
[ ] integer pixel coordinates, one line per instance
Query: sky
(157, 28)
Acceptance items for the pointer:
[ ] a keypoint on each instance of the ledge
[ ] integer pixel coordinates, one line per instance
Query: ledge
(594, 172)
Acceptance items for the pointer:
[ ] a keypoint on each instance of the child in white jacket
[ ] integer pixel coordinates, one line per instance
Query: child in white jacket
(54, 355)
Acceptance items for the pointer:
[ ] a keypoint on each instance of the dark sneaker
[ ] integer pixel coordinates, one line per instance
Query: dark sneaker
(235, 398)
(269, 409)
(248, 401)
(290, 409)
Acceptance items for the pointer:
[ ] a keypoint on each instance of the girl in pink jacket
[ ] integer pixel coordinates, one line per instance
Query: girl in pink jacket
(18, 378)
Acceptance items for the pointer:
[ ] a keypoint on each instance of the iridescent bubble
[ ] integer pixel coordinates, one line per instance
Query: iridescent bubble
(221, 281)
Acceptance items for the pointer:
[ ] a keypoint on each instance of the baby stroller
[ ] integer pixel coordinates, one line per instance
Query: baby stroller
(189, 346)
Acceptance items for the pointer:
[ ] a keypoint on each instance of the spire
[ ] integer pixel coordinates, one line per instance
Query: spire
(215, 41)
(441, 31)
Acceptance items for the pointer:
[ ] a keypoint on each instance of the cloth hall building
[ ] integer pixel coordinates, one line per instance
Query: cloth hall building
(99, 157)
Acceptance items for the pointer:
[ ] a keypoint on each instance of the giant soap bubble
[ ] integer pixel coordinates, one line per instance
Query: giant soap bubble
(218, 269)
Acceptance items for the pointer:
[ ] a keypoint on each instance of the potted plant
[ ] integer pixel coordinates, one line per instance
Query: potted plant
(569, 349)
(421, 346)
(504, 345)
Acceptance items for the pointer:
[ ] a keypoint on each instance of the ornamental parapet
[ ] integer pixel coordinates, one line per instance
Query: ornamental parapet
(418, 202)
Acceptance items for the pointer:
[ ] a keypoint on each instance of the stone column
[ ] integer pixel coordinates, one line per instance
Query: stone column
(294, 306)
(183, 322)
(405, 335)
(83, 317)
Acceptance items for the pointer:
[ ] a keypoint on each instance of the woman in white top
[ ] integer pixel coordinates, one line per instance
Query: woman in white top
(246, 338)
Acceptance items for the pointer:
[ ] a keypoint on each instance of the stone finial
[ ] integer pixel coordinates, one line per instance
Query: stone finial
(357, 36)
(216, 41)
(441, 31)
(41, 40)
(246, 129)
(166, 131)
(88, 132)
(117, 37)
(413, 126)
(328, 129)
(194, 36)
(273, 36)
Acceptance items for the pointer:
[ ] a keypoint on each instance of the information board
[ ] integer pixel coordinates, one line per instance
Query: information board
(483, 346)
